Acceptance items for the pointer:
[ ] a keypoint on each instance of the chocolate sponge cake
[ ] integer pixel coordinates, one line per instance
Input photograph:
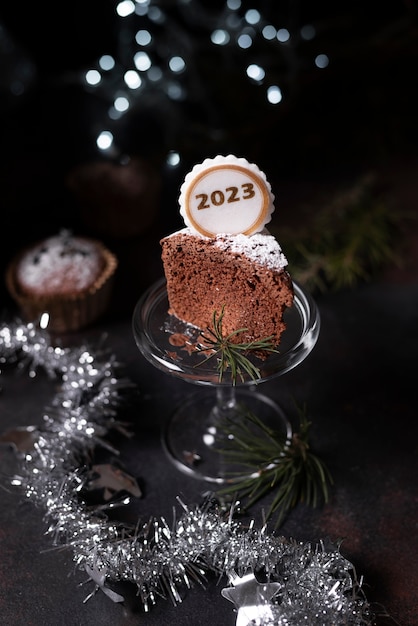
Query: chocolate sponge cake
(243, 275)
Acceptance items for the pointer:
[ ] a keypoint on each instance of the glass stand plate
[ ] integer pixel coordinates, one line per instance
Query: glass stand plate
(192, 431)
(193, 435)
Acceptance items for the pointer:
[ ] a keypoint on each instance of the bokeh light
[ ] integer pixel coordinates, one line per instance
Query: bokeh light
(106, 62)
(125, 8)
(93, 77)
(143, 37)
(177, 64)
(142, 61)
(132, 79)
(220, 37)
(321, 61)
(283, 35)
(256, 72)
(244, 41)
(105, 140)
(274, 94)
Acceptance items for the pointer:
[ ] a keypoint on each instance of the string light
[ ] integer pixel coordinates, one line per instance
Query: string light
(165, 68)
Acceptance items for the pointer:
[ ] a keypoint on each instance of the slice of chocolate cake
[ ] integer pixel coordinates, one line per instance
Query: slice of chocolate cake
(243, 276)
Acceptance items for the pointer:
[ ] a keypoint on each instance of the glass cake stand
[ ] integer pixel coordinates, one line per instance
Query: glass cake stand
(191, 435)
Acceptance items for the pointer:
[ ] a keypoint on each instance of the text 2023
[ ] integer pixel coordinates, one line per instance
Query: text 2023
(231, 194)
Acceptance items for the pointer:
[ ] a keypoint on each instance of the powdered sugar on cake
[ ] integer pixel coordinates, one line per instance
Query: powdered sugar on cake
(60, 265)
(262, 248)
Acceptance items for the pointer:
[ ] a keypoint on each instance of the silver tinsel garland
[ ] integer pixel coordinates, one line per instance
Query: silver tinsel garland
(312, 584)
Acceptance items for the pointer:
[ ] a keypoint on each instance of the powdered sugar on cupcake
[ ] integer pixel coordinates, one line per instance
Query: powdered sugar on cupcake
(60, 264)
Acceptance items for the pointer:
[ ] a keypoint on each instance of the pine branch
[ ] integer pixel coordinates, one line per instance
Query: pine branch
(345, 240)
(291, 471)
(230, 355)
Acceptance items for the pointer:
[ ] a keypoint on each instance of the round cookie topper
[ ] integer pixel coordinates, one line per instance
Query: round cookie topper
(226, 195)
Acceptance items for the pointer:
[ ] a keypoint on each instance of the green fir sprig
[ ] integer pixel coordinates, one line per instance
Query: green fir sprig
(344, 240)
(230, 355)
(272, 464)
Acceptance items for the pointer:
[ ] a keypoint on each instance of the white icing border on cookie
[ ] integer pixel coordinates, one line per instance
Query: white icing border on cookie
(247, 222)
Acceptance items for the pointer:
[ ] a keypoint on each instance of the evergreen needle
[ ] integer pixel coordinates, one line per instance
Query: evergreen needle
(231, 355)
(288, 469)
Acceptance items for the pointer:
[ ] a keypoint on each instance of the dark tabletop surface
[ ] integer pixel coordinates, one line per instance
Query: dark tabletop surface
(359, 383)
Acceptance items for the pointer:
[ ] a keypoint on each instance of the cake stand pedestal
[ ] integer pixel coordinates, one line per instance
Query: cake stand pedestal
(193, 434)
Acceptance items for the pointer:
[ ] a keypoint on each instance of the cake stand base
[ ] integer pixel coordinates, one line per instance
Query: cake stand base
(193, 434)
